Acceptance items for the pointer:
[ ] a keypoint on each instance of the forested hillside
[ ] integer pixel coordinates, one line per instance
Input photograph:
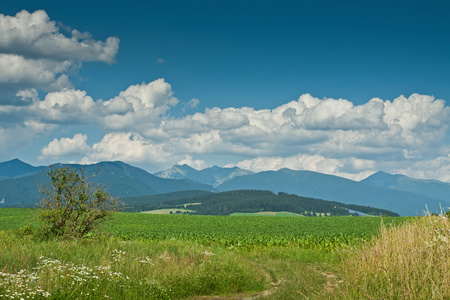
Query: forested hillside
(253, 201)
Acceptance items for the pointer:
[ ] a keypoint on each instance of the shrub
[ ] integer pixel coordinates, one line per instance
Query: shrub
(72, 205)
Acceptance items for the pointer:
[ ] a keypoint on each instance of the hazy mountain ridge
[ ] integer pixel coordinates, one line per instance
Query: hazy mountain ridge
(381, 190)
(333, 188)
(16, 168)
(213, 175)
(121, 180)
(427, 187)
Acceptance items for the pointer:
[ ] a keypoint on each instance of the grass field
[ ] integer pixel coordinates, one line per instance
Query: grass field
(142, 256)
(167, 211)
(269, 213)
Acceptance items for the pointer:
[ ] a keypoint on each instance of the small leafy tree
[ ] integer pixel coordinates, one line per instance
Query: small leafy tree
(73, 206)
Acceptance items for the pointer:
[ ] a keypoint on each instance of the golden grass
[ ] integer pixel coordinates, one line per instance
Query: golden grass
(411, 261)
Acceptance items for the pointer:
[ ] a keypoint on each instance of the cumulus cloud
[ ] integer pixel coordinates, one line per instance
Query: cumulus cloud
(316, 163)
(140, 105)
(64, 107)
(437, 168)
(132, 147)
(66, 146)
(193, 163)
(35, 54)
(333, 128)
(35, 35)
(39, 72)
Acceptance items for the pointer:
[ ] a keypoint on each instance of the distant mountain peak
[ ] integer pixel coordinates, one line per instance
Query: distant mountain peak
(186, 167)
(17, 168)
(14, 162)
(214, 175)
(427, 187)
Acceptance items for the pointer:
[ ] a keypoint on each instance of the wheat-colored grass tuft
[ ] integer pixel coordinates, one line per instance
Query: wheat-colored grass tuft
(406, 262)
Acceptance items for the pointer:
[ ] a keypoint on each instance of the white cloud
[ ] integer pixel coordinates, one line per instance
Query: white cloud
(315, 163)
(193, 163)
(334, 128)
(39, 72)
(65, 107)
(34, 54)
(66, 146)
(194, 102)
(127, 146)
(417, 110)
(30, 95)
(35, 35)
(140, 105)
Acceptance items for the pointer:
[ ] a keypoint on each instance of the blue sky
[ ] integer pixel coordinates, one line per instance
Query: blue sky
(213, 83)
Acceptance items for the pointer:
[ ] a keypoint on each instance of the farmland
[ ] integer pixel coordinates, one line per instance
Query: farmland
(139, 256)
(249, 231)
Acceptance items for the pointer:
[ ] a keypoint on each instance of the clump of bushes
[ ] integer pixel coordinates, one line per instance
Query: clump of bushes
(72, 205)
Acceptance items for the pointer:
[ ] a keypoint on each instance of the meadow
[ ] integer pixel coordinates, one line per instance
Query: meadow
(142, 256)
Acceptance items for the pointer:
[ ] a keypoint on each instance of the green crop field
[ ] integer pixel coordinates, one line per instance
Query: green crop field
(14, 218)
(247, 231)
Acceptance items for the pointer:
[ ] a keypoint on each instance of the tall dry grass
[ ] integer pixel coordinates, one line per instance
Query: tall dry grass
(411, 261)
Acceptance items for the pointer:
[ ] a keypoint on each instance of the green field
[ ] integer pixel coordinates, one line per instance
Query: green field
(145, 256)
(249, 231)
(167, 211)
(269, 213)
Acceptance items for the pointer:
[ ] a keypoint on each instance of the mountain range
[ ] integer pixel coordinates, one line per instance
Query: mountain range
(433, 188)
(120, 179)
(404, 195)
(333, 188)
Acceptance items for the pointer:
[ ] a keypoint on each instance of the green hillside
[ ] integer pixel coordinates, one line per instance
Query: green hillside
(253, 201)
(148, 202)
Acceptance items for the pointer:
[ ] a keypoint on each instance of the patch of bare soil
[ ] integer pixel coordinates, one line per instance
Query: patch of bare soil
(332, 281)
(242, 296)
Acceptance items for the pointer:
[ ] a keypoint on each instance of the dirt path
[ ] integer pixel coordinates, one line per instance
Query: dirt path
(242, 296)
(331, 282)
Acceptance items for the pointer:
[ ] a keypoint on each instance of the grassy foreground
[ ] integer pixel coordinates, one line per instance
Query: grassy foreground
(141, 256)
